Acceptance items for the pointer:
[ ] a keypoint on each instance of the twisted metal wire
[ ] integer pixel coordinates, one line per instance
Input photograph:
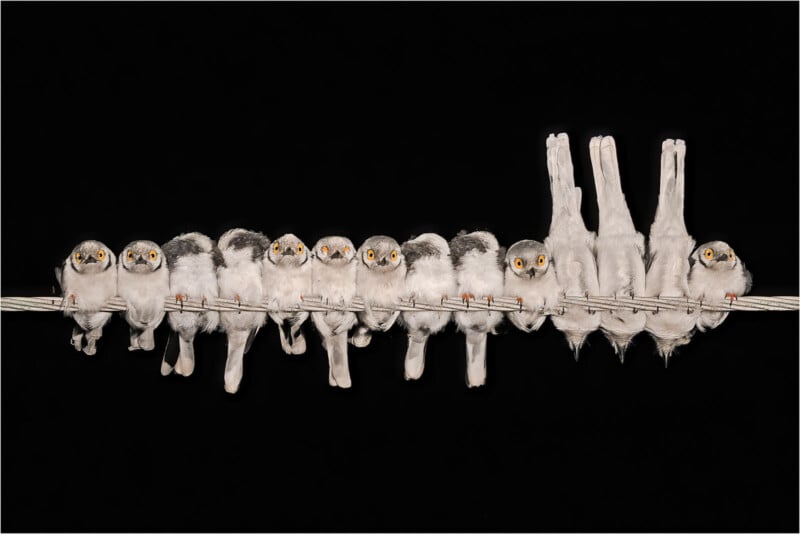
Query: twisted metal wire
(446, 304)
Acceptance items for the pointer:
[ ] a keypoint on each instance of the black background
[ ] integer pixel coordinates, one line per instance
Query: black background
(131, 121)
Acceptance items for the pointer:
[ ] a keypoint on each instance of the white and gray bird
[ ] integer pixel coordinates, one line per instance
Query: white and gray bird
(531, 279)
(240, 278)
(572, 246)
(192, 260)
(380, 282)
(88, 279)
(620, 248)
(478, 261)
(716, 273)
(668, 253)
(430, 278)
(333, 274)
(143, 281)
(287, 279)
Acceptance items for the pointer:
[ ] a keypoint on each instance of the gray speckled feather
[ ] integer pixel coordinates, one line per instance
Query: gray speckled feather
(178, 248)
(463, 243)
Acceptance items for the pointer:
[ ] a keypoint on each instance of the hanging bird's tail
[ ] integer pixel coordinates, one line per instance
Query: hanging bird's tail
(669, 213)
(415, 355)
(338, 367)
(476, 359)
(234, 365)
(613, 209)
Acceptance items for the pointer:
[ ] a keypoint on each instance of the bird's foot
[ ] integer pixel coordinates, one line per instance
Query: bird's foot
(519, 301)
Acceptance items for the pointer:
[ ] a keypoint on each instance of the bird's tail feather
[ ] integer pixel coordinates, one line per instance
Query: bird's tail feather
(669, 213)
(339, 370)
(415, 356)
(234, 365)
(476, 359)
(613, 209)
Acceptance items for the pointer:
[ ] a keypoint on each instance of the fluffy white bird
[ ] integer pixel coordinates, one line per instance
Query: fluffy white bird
(88, 279)
(571, 245)
(429, 278)
(716, 273)
(620, 248)
(240, 278)
(287, 279)
(380, 282)
(333, 274)
(143, 281)
(669, 248)
(478, 262)
(531, 280)
(192, 260)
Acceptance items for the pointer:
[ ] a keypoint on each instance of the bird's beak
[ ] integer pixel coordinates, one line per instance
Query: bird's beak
(288, 251)
(91, 259)
(721, 257)
(140, 261)
(531, 272)
(336, 255)
(382, 262)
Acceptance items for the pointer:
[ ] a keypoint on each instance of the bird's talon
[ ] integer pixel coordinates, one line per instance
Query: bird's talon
(731, 296)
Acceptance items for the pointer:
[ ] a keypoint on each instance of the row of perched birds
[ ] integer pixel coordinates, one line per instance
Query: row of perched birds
(248, 267)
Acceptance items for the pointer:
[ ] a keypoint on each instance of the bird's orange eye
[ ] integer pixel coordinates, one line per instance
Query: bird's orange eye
(153, 255)
(324, 250)
(540, 260)
(394, 255)
(709, 254)
(78, 257)
(300, 248)
(518, 263)
(129, 255)
(101, 254)
(731, 255)
(346, 250)
(370, 254)
(276, 247)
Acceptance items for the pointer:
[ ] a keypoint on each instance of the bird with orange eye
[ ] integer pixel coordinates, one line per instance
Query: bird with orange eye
(716, 273)
(143, 281)
(333, 278)
(286, 280)
(380, 282)
(88, 279)
(529, 279)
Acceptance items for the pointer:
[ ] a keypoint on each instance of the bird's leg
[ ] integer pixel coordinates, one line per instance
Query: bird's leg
(238, 300)
(519, 301)
(489, 300)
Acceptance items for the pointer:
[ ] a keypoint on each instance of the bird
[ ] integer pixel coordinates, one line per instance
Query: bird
(192, 260)
(143, 281)
(333, 278)
(380, 282)
(571, 245)
(240, 278)
(430, 278)
(668, 251)
(286, 280)
(530, 278)
(88, 279)
(478, 261)
(619, 247)
(715, 273)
